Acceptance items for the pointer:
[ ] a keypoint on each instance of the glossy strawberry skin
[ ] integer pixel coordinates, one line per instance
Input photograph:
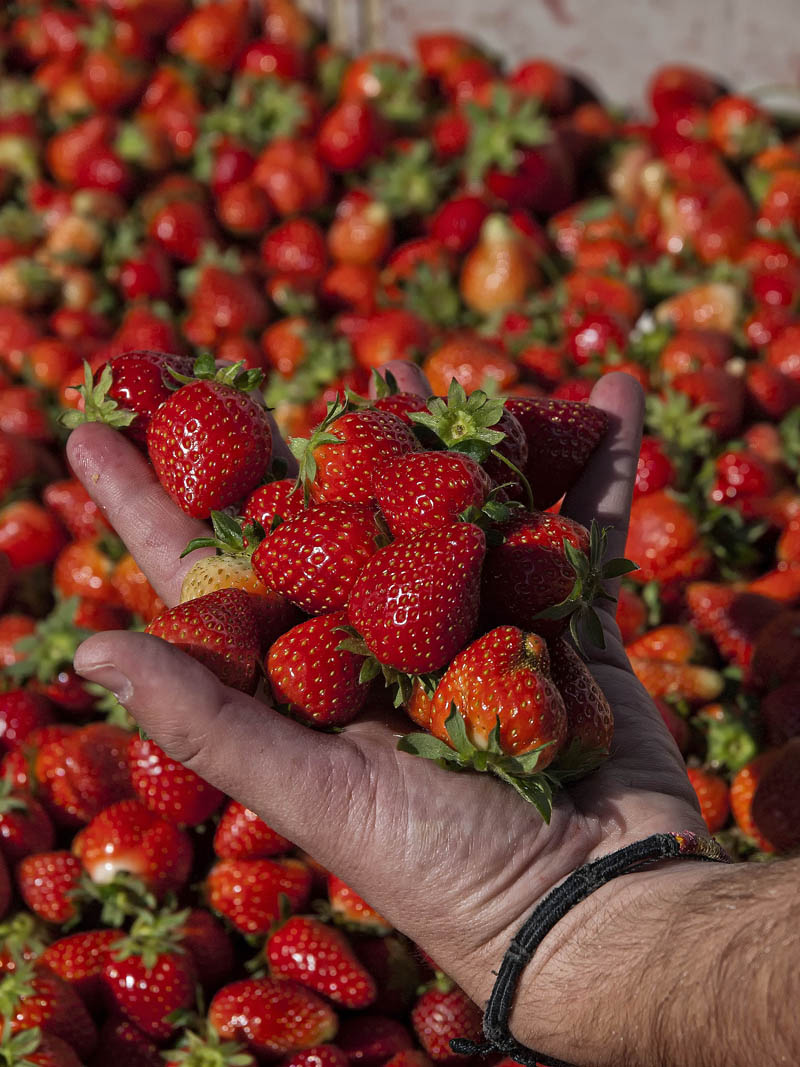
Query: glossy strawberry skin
(141, 383)
(210, 445)
(247, 892)
(242, 835)
(81, 774)
(316, 679)
(46, 881)
(272, 1017)
(219, 630)
(148, 995)
(314, 559)
(370, 1040)
(55, 1007)
(416, 601)
(590, 719)
(439, 1017)
(167, 787)
(423, 490)
(712, 796)
(21, 711)
(25, 827)
(280, 499)
(320, 957)
(80, 959)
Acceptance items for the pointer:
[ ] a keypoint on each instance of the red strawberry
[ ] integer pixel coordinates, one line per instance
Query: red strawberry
(590, 720)
(712, 795)
(80, 959)
(183, 228)
(317, 1056)
(24, 824)
(124, 1045)
(350, 910)
(314, 560)
(497, 707)
(423, 490)
(371, 1040)
(248, 892)
(220, 630)
(208, 943)
(75, 508)
(731, 617)
(167, 787)
(663, 539)
(242, 835)
(150, 976)
(81, 774)
(339, 460)
(443, 1014)
(21, 711)
(743, 481)
(29, 535)
(23, 938)
(654, 469)
(780, 713)
(321, 958)
(409, 1058)
(318, 680)
(415, 603)
(33, 996)
(774, 810)
(5, 887)
(35, 1048)
(47, 882)
(128, 837)
(210, 443)
(561, 436)
(272, 1017)
(392, 963)
(776, 656)
(279, 499)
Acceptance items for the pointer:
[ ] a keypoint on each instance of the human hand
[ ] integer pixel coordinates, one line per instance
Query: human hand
(455, 861)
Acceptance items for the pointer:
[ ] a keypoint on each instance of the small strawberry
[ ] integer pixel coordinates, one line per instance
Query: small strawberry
(248, 892)
(392, 963)
(348, 909)
(744, 787)
(321, 958)
(780, 713)
(271, 1017)
(712, 796)
(48, 882)
(24, 824)
(219, 630)
(29, 534)
(339, 460)
(129, 838)
(415, 603)
(496, 709)
(242, 835)
(276, 499)
(167, 787)
(371, 1040)
(443, 1014)
(670, 643)
(664, 540)
(150, 976)
(77, 511)
(775, 809)
(80, 959)
(135, 591)
(36, 1048)
(33, 996)
(314, 560)
(319, 681)
(210, 442)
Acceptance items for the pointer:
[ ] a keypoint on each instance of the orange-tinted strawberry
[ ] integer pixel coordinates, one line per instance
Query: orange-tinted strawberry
(473, 361)
(663, 539)
(712, 796)
(499, 270)
(670, 643)
(135, 590)
(732, 618)
(743, 790)
(680, 681)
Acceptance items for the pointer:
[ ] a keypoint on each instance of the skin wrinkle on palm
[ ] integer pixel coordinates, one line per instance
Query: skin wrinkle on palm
(360, 807)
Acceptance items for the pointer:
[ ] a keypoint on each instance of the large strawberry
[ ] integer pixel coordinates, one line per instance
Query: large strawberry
(167, 787)
(321, 958)
(415, 603)
(272, 1017)
(319, 681)
(339, 460)
(496, 709)
(314, 560)
(210, 443)
(249, 892)
(220, 630)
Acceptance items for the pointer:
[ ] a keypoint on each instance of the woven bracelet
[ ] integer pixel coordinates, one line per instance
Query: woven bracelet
(554, 907)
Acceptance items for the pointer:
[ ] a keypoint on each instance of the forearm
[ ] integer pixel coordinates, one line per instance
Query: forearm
(692, 964)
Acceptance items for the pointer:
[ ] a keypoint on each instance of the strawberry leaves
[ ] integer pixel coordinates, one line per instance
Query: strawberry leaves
(98, 405)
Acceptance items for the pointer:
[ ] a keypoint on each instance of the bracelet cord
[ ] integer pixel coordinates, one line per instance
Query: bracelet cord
(577, 887)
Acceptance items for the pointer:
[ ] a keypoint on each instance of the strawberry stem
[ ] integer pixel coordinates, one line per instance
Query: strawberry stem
(526, 485)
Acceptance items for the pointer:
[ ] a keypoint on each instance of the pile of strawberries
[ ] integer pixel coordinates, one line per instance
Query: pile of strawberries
(206, 211)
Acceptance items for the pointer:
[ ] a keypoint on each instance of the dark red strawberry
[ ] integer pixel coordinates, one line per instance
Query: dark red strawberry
(780, 713)
(415, 603)
(314, 559)
(391, 962)
(371, 1040)
(443, 1014)
(272, 1017)
(220, 630)
(590, 720)
(36, 1048)
(34, 996)
(209, 944)
(167, 787)
(21, 711)
(80, 959)
(124, 1045)
(248, 892)
(321, 958)
(242, 835)
(24, 824)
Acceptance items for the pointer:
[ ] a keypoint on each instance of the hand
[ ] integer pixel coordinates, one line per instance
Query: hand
(455, 861)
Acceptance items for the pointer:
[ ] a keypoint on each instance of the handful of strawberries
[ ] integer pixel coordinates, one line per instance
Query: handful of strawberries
(413, 549)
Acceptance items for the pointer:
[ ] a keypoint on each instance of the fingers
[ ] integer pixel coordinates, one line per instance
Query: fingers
(605, 489)
(408, 376)
(155, 530)
(273, 765)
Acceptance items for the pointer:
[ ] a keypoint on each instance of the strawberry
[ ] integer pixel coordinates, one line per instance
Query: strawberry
(124, 1045)
(780, 713)
(415, 603)
(409, 1058)
(193, 1050)
(47, 882)
(209, 944)
(135, 590)
(774, 808)
(80, 959)
(317, 679)
(392, 963)
(776, 656)
(348, 909)
(712, 796)
(17, 765)
(680, 681)
(129, 838)
(292, 175)
(24, 938)
(670, 643)
(744, 787)
(5, 887)
(371, 1040)
(663, 539)
(29, 535)
(499, 271)
(83, 568)
(36, 1048)
(276, 499)
(213, 36)
(33, 996)
(248, 892)
(314, 560)
(590, 720)
(516, 734)
(743, 481)
(708, 306)
(82, 774)
(220, 630)
(475, 363)
(732, 618)
(149, 975)
(242, 835)
(317, 1056)
(271, 1017)
(25, 827)
(442, 1014)
(320, 958)
(182, 228)
(339, 460)
(71, 503)
(167, 787)
(21, 711)
(215, 422)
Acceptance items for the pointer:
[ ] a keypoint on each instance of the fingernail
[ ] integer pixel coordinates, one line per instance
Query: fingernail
(107, 675)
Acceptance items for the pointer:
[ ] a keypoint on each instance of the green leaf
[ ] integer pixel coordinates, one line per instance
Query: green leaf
(616, 568)
(457, 732)
(427, 746)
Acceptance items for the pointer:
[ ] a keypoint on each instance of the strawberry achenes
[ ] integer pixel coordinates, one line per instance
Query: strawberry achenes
(442, 1014)
(37, 1048)
(242, 835)
(249, 892)
(24, 824)
(80, 958)
(80, 774)
(167, 787)
(712, 795)
(590, 719)
(34, 996)
(415, 603)
(47, 882)
(272, 1017)
(320, 957)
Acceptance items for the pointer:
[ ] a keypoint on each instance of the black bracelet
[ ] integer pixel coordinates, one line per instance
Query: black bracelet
(554, 907)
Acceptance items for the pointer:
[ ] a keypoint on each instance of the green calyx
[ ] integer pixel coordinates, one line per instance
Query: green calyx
(19, 224)
(462, 423)
(15, 986)
(153, 935)
(493, 512)
(16, 1048)
(731, 734)
(9, 800)
(119, 900)
(52, 645)
(98, 406)
(520, 772)
(19, 96)
(400, 99)
(326, 358)
(302, 448)
(208, 1050)
(205, 370)
(410, 182)
(576, 762)
(591, 573)
(402, 682)
(498, 131)
(257, 110)
(23, 933)
(431, 293)
(229, 537)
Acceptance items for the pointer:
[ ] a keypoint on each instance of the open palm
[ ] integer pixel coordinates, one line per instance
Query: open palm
(453, 860)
